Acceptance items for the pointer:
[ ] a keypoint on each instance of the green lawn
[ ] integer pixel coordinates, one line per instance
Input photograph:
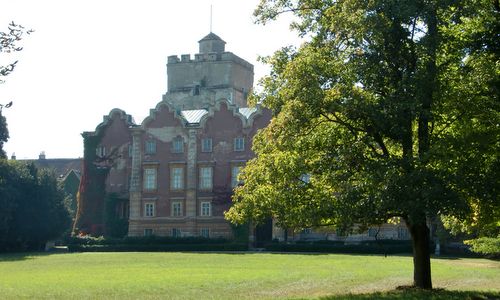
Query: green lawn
(236, 276)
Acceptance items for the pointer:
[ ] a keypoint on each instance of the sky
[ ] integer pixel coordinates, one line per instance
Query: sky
(87, 57)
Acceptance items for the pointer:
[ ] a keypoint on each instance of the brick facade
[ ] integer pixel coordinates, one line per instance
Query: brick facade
(177, 168)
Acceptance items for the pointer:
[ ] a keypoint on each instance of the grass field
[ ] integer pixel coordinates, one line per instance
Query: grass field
(237, 276)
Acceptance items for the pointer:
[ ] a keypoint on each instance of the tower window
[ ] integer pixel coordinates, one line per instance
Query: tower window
(196, 90)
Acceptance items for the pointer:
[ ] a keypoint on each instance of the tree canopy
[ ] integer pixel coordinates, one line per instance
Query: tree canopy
(32, 207)
(390, 109)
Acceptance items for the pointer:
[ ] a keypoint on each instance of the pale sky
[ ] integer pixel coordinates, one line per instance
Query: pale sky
(88, 57)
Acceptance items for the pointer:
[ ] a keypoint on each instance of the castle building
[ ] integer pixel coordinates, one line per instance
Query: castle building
(174, 173)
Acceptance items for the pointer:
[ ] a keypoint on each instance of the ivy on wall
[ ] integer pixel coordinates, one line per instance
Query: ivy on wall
(92, 191)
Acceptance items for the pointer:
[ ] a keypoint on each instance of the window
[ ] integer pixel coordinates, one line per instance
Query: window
(239, 144)
(150, 178)
(176, 209)
(100, 151)
(206, 209)
(206, 178)
(176, 232)
(205, 232)
(177, 178)
(178, 145)
(196, 90)
(150, 147)
(149, 209)
(148, 232)
(206, 145)
(235, 170)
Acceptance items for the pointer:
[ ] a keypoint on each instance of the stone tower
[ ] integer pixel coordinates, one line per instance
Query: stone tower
(213, 73)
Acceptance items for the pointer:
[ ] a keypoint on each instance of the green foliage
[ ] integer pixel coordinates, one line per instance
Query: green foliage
(390, 109)
(142, 240)
(241, 232)
(367, 247)
(151, 243)
(33, 209)
(91, 197)
(9, 43)
(115, 226)
(486, 245)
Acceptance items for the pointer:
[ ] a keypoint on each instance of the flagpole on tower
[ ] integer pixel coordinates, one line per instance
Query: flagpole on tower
(210, 18)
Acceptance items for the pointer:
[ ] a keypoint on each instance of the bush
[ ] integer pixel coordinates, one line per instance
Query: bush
(157, 247)
(486, 246)
(365, 247)
(151, 243)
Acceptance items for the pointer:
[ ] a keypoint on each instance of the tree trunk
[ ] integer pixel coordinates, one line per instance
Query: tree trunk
(421, 255)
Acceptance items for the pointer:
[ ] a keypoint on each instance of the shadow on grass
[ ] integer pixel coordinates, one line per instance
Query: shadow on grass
(417, 294)
(18, 256)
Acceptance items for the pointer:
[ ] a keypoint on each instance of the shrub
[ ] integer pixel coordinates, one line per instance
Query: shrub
(157, 247)
(486, 246)
(364, 247)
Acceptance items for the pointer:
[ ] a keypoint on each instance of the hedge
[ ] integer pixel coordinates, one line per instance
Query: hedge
(367, 247)
(157, 247)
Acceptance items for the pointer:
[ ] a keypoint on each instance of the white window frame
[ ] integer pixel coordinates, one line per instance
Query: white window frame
(150, 178)
(176, 209)
(176, 179)
(206, 178)
(177, 145)
(239, 144)
(100, 151)
(150, 147)
(205, 208)
(149, 209)
(206, 145)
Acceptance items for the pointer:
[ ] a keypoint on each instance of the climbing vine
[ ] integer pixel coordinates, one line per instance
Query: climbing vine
(92, 191)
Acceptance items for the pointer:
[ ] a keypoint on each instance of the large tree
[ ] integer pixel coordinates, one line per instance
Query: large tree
(32, 209)
(390, 109)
